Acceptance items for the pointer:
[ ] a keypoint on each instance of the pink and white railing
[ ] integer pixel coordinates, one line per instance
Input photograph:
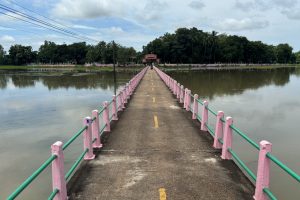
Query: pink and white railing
(222, 134)
(93, 129)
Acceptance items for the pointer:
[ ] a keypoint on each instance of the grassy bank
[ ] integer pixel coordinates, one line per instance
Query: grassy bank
(227, 67)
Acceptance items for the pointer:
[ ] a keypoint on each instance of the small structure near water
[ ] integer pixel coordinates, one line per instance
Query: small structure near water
(150, 59)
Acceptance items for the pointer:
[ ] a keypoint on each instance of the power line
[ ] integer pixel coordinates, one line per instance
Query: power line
(60, 24)
(44, 24)
(38, 25)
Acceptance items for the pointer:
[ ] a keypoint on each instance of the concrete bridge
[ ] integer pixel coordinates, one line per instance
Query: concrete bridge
(159, 147)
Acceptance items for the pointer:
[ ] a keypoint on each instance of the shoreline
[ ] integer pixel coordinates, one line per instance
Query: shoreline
(95, 69)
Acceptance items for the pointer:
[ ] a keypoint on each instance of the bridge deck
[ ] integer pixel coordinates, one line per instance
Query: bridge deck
(142, 155)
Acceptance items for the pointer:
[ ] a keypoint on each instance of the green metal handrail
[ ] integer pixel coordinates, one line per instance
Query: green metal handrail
(210, 130)
(211, 111)
(74, 137)
(74, 166)
(32, 177)
(199, 101)
(53, 194)
(269, 194)
(243, 135)
(198, 117)
(101, 110)
(284, 167)
(242, 164)
(102, 129)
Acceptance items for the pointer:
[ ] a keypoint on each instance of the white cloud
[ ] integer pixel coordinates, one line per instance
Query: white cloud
(243, 24)
(292, 13)
(264, 5)
(78, 26)
(86, 9)
(197, 4)
(7, 39)
(244, 5)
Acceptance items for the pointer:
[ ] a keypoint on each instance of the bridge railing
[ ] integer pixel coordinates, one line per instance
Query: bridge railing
(222, 134)
(92, 130)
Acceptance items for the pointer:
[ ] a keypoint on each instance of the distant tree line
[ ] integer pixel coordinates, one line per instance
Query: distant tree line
(195, 46)
(76, 53)
(183, 46)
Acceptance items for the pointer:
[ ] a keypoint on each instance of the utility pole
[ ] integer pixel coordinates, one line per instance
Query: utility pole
(114, 64)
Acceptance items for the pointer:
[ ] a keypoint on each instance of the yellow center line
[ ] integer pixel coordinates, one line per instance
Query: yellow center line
(152, 89)
(162, 194)
(155, 121)
(152, 83)
(153, 99)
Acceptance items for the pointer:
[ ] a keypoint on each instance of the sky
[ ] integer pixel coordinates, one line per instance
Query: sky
(137, 22)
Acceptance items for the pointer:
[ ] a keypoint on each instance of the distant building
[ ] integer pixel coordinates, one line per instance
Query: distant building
(150, 58)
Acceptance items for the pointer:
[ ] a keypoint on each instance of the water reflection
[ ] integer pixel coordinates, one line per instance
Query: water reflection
(218, 83)
(77, 81)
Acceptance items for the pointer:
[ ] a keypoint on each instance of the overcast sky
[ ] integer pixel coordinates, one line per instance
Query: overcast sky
(136, 22)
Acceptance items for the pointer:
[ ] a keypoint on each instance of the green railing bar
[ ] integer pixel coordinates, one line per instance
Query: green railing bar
(242, 164)
(31, 178)
(243, 135)
(220, 140)
(53, 194)
(284, 167)
(94, 140)
(223, 120)
(74, 137)
(110, 119)
(67, 176)
(110, 102)
(94, 119)
(210, 130)
(100, 111)
(199, 101)
(269, 194)
(211, 111)
(198, 117)
(101, 131)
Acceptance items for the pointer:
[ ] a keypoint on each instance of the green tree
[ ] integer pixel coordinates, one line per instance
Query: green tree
(2, 54)
(20, 55)
(284, 53)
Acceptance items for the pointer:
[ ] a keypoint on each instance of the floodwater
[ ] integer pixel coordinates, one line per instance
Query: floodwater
(263, 104)
(37, 110)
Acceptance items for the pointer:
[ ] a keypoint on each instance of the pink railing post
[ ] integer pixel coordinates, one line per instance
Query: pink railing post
(227, 139)
(185, 98)
(87, 139)
(130, 88)
(123, 99)
(58, 177)
(96, 129)
(126, 93)
(181, 94)
(218, 130)
(175, 87)
(178, 89)
(106, 116)
(195, 107)
(188, 100)
(114, 108)
(120, 102)
(263, 171)
(204, 116)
